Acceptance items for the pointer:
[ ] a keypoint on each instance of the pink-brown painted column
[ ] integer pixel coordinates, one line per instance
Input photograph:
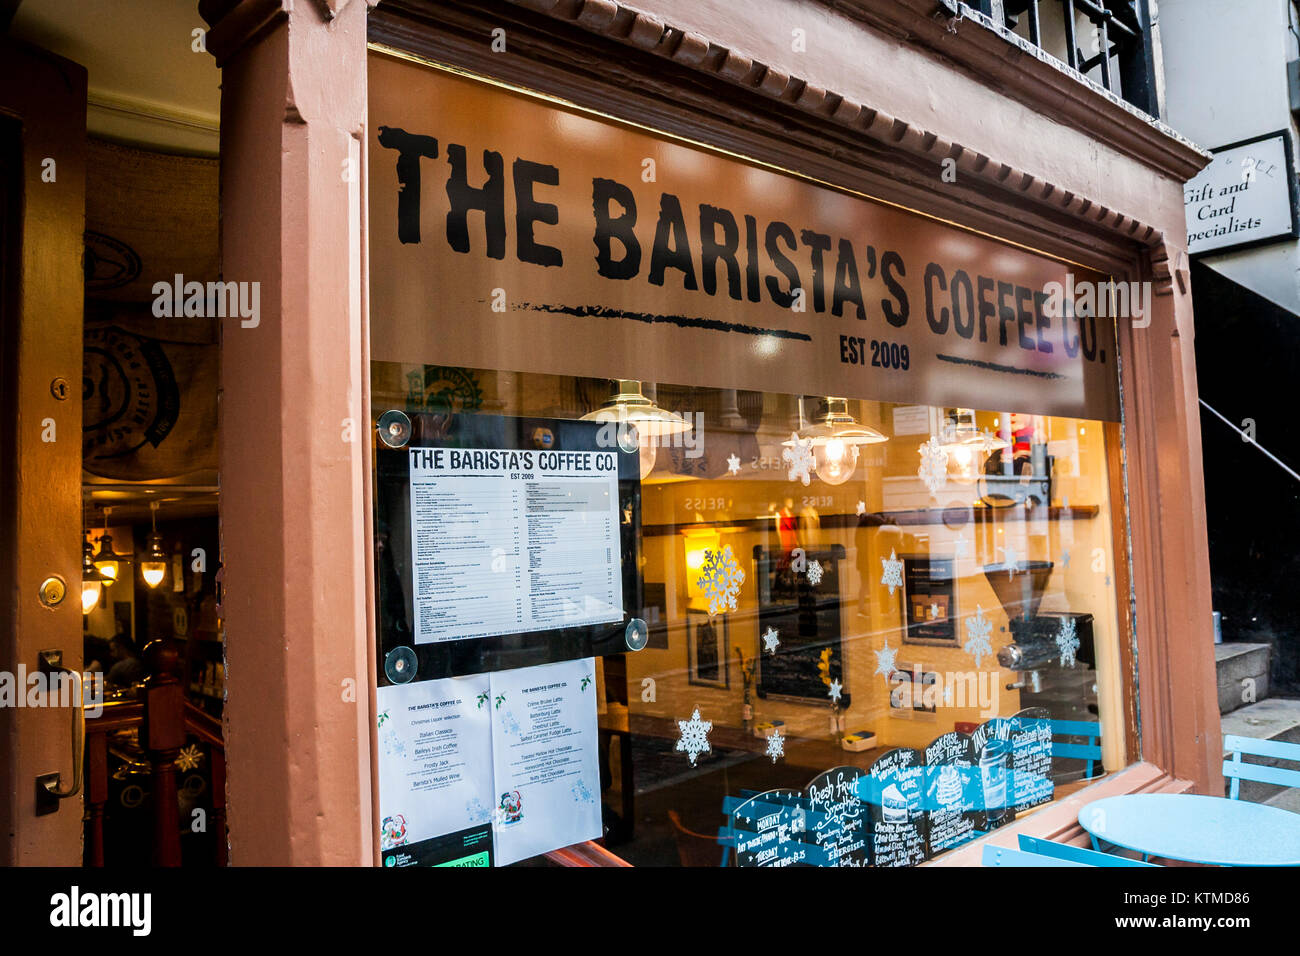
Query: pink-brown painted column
(293, 432)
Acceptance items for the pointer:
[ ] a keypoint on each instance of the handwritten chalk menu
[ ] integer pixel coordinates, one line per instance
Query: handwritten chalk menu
(952, 791)
(770, 830)
(837, 817)
(894, 793)
(992, 743)
(1031, 759)
(508, 541)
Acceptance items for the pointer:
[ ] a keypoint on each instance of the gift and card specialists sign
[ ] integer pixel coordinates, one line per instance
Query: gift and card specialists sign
(1246, 196)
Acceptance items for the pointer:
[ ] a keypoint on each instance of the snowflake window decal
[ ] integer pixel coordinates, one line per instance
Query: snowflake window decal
(694, 739)
(933, 470)
(1067, 641)
(885, 660)
(720, 580)
(775, 745)
(891, 572)
(799, 456)
(978, 629)
(771, 640)
(814, 573)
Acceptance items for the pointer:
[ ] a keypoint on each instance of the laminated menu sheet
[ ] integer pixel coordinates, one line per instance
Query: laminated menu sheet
(490, 769)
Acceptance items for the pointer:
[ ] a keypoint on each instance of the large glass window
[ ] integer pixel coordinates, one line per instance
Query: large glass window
(876, 630)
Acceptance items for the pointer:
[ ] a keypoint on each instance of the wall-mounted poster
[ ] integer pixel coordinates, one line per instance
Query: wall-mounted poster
(929, 600)
(806, 618)
(707, 647)
(894, 789)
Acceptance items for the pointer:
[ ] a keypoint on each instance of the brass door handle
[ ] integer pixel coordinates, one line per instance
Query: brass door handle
(52, 664)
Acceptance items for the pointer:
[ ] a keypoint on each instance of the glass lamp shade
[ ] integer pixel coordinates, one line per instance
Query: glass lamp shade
(628, 406)
(966, 445)
(92, 585)
(154, 566)
(836, 437)
(106, 561)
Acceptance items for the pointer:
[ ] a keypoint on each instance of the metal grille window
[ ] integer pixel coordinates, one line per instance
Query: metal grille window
(1112, 37)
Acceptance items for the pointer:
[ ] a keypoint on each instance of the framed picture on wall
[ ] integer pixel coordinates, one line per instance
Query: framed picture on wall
(707, 649)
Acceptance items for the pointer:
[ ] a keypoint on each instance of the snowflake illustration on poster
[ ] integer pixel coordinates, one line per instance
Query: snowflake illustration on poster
(978, 629)
(720, 580)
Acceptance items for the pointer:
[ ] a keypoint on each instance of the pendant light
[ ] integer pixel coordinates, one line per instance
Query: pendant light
(154, 566)
(106, 561)
(961, 438)
(92, 582)
(641, 423)
(835, 437)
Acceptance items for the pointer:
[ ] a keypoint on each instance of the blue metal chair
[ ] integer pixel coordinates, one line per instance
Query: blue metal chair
(1091, 751)
(1078, 854)
(1002, 856)
(1238, 770)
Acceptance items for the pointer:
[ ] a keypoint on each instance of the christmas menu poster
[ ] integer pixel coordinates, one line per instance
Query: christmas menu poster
(544, 756)
(435, 772)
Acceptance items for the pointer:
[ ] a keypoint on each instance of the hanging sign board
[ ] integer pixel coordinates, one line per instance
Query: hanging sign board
(511, 233)
(1246, 196)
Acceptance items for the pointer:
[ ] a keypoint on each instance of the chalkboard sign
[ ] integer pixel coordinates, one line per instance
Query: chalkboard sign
(992, 743)
(894, 788)
(770, 829)
(806, 617)
(952, 791)
(1031, 759)
(837, 817)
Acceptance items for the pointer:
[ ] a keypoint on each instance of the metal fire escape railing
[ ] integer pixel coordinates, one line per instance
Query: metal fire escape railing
(1119, 41)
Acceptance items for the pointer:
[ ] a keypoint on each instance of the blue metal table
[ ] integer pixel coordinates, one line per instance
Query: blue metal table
(1197, 829)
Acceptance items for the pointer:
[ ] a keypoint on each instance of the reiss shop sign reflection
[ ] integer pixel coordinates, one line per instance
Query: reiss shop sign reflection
(501, 238)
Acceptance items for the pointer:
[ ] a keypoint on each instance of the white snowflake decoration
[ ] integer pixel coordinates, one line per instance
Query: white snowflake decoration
(1067, 641)
(885, 659)
(961, 547)
(978, 629)
(892, 572)
(721, 580)
(934, 466)
(862, 508)
(947, 695)
(834, 691)
(799, 456)
(934, 611)
(733, 465)
(1065, 558)
(1010, 558)
(771, 640)
(694, 738)
(775, 745)
(815, 573)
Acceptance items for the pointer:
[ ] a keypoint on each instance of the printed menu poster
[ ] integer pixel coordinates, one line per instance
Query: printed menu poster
(435, 773)
(545, 758)
(510, 541)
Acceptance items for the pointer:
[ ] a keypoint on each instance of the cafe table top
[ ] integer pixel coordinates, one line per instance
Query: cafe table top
(1197, 829)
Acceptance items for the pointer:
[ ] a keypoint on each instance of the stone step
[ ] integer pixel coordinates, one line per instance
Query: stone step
(1272, 719)
(1242, 671)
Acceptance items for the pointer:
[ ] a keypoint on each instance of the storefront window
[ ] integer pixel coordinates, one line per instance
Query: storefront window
(832, 508)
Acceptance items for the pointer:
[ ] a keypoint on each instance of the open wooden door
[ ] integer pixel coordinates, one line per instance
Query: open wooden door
(42, 220)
